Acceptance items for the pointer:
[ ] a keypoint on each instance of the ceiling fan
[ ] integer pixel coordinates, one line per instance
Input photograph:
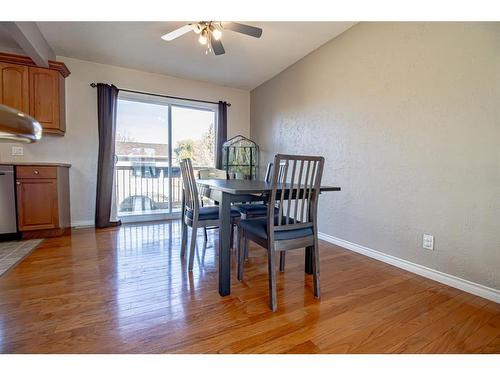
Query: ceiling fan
(211, 33)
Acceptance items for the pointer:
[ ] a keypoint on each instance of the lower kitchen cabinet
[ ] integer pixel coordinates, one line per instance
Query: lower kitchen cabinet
(43, 207)
(37, 204)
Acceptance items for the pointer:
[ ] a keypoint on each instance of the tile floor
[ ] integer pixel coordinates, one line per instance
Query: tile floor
(13, 252)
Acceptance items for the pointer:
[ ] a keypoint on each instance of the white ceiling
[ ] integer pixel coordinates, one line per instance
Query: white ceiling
(7, 43)
(247, 63)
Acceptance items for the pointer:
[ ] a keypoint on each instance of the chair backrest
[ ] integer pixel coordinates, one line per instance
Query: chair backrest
(269, 172)
(296, 195)
(190, 189)
(212, 173)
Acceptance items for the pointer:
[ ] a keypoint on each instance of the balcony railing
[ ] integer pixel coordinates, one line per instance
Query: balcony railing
(144, 189)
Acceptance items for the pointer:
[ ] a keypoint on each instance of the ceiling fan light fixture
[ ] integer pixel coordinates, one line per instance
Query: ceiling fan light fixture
(217, 34)
(210, 32)
(197, 28)
(203, 37)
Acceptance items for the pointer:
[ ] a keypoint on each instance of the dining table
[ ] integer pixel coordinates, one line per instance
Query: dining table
(226, 192)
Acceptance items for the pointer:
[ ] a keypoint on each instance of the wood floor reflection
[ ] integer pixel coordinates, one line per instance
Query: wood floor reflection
(126, 290)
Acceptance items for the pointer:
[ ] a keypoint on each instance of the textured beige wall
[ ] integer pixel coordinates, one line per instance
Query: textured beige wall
(408, 118)
(79, 145)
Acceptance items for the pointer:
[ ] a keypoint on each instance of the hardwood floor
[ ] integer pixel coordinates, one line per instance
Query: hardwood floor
(125, 290)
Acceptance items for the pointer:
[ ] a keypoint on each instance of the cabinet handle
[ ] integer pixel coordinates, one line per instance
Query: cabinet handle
(36, 172)
(18, 183)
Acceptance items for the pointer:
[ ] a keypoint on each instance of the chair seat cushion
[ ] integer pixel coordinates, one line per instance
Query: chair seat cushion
(211, 213)
(259, 209)
(258, 227)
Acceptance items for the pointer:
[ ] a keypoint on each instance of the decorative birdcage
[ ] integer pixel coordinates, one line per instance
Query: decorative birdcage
(241, 158)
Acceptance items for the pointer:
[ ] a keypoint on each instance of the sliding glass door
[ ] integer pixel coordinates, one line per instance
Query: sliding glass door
(152, 135)
(193, 136)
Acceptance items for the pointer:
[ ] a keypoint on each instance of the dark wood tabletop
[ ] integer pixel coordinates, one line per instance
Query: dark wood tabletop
(238, 187)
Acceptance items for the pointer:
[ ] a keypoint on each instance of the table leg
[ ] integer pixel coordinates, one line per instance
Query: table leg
(224, 245)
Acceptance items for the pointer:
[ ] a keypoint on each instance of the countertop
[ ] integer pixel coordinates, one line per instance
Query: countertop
(40, 164)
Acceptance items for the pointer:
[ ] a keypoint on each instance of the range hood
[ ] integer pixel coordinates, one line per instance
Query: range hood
(16, 126)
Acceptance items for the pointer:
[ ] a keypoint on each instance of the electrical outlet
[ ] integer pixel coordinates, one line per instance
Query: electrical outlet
(428, 242)
(17, 151)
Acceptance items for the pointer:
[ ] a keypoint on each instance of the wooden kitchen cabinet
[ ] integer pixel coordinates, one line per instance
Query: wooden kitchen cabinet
(37, 204)
(40, 92)
(14, 86)
(46, 99)
(43, 207)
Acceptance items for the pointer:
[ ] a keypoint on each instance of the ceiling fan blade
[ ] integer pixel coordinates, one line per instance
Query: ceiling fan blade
(178, 32)
(217, 47)
(256, 32)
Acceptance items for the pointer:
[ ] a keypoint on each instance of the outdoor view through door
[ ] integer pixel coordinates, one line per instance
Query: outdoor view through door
(152, 135)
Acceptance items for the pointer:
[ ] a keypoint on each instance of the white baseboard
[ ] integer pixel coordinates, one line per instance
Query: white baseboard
(444, 278)
(82, 223)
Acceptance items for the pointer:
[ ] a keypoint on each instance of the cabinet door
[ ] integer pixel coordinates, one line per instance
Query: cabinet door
(37, 204)
(44, 97)
(14, 86)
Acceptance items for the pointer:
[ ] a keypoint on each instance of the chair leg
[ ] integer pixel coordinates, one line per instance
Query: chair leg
(241, 254)
(231, 242)
(238, 237)
(245, 248)
(205, 234)
(194, 230)
(184, 229)
(282, 261)
(273, 303)
(316, 268)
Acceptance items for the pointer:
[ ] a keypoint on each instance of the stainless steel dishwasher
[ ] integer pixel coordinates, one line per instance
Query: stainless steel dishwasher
(8, 222)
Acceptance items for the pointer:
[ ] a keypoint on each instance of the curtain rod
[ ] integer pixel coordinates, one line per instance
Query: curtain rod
(93, 84)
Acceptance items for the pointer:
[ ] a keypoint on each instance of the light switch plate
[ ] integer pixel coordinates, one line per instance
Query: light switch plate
(428, 242)
(17, 151)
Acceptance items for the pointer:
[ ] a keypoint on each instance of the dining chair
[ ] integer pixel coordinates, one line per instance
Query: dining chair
(259, 210)
(210, 173)
(196, 216)
(253, 210)
(295, 225)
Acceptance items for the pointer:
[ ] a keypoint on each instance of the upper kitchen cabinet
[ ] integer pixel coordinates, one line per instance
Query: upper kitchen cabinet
(46, 98)
(14, 86)
(40, 92)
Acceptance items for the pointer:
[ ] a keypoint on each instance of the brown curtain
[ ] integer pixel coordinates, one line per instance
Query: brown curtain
(107, 97)
(221, 134)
